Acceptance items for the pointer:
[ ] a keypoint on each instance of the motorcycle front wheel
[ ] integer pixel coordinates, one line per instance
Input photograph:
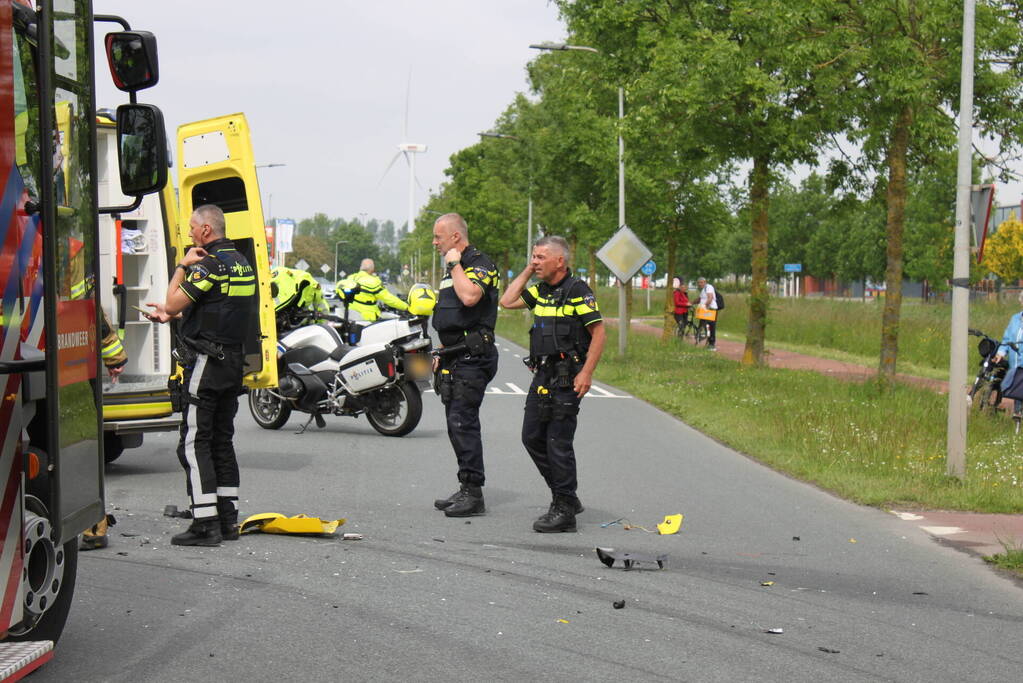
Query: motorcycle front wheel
(395, 410)
(269, 411)
(987, 397)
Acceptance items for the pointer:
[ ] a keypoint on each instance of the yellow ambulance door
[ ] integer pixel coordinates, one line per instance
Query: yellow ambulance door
(216, 166)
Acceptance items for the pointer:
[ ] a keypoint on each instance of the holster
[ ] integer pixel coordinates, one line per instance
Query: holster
(175, 389)
(444, 385)
(545, 408)
(212, 349)
(478, 342)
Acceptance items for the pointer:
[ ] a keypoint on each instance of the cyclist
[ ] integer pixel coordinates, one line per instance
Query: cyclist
(1013, 334)
(681, 304)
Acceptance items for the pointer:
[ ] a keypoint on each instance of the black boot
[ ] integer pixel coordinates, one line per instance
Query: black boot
(561, 516)
(468, 502)
(445, 503)
(204, 532)
(577, 507)
(227, 511)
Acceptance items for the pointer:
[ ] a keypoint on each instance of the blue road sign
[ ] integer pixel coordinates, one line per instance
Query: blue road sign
(793, 267)
(648, 268)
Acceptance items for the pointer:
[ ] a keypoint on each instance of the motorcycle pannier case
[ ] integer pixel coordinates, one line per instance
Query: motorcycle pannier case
(367, 368)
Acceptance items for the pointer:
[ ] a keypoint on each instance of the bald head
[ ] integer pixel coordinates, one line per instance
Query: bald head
(367, 265)
(450, 232)
(213, 216)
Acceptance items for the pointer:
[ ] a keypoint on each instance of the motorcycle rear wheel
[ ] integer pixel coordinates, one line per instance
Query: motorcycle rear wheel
(396, 410)
(987, 398)
(269, 411)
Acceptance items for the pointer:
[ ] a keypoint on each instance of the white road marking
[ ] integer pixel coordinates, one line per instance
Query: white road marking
(516, 389)
(906, 516)
(943, 530)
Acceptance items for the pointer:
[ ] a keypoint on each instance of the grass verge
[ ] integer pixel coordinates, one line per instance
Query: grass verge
(1011, 560)
(874, 447)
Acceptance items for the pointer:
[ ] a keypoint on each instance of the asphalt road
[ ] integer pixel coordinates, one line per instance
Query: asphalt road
(856, 594)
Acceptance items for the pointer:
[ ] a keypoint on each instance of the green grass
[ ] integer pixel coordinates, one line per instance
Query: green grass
(847, 330)
(1011, 560)
(880, 448)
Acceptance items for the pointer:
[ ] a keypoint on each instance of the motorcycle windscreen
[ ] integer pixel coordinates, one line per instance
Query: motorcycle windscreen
(70, 297)
(217, 166)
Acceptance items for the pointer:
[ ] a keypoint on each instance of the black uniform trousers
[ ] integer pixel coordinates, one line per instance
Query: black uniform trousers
(548, 430)
(470, 376)
(205, 448)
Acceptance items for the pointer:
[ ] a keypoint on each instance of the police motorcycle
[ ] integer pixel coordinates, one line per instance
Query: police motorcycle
(340, 366)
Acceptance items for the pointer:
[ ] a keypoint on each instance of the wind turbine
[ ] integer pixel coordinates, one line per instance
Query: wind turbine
(409, 150)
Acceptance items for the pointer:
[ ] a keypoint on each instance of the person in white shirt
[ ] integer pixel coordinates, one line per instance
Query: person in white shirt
(709, 300)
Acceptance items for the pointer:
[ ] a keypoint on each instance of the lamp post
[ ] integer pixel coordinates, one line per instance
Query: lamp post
(623, 321)
(529, 209)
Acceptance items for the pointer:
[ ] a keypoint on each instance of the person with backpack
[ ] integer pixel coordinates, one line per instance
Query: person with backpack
(709, 301)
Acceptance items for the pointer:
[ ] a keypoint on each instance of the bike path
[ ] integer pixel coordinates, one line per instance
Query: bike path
(972, 532)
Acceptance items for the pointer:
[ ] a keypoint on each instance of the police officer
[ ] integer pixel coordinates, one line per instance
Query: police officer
(367, 289)
(464, 318)
(212, 290)
(565, 343)
(296, 295)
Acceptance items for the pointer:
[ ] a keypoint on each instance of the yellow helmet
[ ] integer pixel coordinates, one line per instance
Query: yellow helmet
(421, 299)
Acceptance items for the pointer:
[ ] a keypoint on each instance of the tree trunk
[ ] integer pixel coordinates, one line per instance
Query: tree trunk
(668, 330)
(756, 328)
(896, 201)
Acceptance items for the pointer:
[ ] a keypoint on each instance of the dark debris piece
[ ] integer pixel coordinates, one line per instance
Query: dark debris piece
(618, 604)
(172, 511)
(609, 555)
(829, 650)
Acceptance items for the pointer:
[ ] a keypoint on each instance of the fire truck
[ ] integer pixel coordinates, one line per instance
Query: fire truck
(51, 451)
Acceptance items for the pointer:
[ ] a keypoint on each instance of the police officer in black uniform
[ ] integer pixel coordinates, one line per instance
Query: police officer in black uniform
(212, 291)
(565, 343)
(464, 318)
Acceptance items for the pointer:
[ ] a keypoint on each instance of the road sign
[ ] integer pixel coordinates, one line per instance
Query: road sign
(649, 268)
(624, 253)
(324, 269)
(302, 264)
(793, 267)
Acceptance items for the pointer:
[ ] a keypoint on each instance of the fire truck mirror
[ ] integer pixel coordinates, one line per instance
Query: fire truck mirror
(132, 59)
(141, 149)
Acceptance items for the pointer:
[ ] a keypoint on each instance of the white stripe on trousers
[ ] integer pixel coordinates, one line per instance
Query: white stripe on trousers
(199, 497)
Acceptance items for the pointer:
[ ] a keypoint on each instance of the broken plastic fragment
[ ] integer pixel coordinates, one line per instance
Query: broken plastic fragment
(828, 650)
(776, 631)
(351, 537)
(767, 583)
(562, 621)
(609, 555)
(670, 525)
(276, 523)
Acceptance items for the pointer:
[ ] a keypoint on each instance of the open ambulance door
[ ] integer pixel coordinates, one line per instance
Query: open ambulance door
(216, 166)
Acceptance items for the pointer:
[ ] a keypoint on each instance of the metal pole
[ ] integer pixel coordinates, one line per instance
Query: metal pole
(623, 319)
(956, 450)
(529, 230)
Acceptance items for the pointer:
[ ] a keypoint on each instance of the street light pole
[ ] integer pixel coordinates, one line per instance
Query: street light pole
(956, 436)
(623, 318)
(337, 273)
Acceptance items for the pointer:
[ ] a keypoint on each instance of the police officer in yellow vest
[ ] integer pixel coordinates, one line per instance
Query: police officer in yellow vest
(565, 344)
(295, 293)
(367, 290)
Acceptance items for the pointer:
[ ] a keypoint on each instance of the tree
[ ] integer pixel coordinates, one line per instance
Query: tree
(746, 76)
(1003, 253)
(902, 70)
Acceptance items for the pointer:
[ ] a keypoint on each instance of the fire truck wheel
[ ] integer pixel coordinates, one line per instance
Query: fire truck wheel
(49, 574)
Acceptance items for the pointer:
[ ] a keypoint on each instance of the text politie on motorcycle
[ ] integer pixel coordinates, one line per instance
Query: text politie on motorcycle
(212, 290)
(464, 317)
(363, 290)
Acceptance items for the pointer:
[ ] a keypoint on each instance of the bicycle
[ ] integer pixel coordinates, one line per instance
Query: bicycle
(685, 328)
(702, 333)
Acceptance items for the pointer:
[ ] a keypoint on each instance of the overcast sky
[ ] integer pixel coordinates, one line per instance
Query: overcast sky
(323, 82)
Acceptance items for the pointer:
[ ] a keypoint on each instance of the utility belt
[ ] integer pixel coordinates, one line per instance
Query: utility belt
(560, 367)
(188, 350)
(478, 342)
(551, 408)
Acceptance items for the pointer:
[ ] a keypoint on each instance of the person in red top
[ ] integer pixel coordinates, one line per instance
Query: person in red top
(681, 302)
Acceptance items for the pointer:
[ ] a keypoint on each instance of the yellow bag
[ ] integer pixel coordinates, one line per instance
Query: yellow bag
(703, 313)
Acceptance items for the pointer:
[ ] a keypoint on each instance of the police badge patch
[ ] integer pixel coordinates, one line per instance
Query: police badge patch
(590, 301)
(198, 273)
